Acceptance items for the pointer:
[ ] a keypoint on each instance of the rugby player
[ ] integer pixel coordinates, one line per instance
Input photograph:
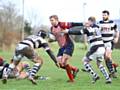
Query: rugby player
(110, 36)
(27, 48)
(66, 45)
(96, 48)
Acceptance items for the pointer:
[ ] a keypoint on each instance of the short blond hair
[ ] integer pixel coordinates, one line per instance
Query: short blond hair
(92, 18)
(54, 16)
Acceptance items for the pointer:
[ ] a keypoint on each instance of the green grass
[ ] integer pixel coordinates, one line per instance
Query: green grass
(58, 77)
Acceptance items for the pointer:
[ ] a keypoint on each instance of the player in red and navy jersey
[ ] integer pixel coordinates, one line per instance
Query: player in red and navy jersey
(66, 45)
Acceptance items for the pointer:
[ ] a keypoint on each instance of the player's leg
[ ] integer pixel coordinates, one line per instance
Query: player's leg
(59, 57)
(38, 63)
(68, 69)
(30, 54)
(89, 68)
(99, 57)
(15, 61)
(68, 52)
(23, 66)
(89, 56)
(104, 72)
(22, 75)
(114, 64)
(108, 59)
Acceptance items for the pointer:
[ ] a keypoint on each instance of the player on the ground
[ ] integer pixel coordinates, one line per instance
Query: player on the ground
(66, 45)
(27, 48)
(21, 71)
(110, 36)
(96, 48)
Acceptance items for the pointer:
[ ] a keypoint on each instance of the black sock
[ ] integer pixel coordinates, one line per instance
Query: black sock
(109, 65)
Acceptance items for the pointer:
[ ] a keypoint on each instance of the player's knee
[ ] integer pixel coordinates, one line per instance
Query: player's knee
(38, 60)
(62, 66)
(85, 60)
(98, 63)
(107, 57)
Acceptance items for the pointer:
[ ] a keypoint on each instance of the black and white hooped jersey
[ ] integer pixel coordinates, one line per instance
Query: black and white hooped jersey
(108, 29)
(94, 36)
(34, 41)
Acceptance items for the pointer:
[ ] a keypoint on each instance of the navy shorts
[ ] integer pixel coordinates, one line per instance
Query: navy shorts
(68, 49)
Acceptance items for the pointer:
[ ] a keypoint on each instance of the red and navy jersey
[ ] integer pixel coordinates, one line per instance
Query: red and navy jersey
(63, 39)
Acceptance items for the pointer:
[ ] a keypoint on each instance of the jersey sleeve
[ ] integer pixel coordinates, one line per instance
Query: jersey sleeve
(45, 46)
(116, 28)
(75, 32)
(68, 25)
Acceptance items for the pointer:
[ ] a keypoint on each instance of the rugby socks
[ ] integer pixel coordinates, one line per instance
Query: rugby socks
(73, 68)
(27, 68)
(35, 69)
(104, 71)
(7, 71)
(115, 66)
(90, 70)
(109, 65)
(68, 70)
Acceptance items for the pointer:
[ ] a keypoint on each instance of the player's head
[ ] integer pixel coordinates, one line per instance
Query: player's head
(91, 20)
(105, 15)
(54, 20)
(42, 33)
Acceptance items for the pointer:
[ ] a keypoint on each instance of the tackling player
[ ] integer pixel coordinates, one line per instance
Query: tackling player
(96, 48)
(27, 48)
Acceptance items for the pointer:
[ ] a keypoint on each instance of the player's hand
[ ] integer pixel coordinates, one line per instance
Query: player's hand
(115, 40)
(65, 31)
(57, 64)
(86, 24)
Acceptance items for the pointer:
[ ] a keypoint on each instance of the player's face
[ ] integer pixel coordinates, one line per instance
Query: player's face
(105, 16)
(87, 24)
(53, 21)
(90, 22)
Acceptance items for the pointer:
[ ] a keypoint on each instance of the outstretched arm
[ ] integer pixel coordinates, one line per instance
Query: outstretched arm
(68, 25)
(73, 32)
(50, 53)
(51, 38)
(73, 24)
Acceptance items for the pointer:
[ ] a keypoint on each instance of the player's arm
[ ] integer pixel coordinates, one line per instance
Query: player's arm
(74, 24)
(68, 25)
(51, 38)
(116, 38)
(50, 53)
(73, 32)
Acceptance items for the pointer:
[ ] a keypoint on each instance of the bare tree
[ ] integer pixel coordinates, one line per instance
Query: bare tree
(10, 23)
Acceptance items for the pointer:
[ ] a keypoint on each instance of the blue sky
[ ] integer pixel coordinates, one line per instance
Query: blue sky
(38, 11)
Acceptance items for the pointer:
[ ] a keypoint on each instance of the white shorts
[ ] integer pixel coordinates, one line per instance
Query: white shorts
(108, 45)
(24, 50)
(98, 54)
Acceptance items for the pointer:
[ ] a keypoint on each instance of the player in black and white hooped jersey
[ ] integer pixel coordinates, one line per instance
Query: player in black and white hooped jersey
(27, 48)
(110, 36)
(96, 48)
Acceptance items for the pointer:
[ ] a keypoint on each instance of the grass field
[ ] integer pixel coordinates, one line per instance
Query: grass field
(58, 77)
